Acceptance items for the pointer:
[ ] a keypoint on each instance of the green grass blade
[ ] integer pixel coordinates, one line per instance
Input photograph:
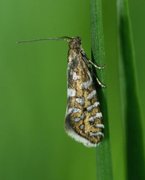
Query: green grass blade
(103, 155)
(132, 114)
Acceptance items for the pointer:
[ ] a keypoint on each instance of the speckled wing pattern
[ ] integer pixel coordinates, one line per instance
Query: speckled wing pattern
(83, 120)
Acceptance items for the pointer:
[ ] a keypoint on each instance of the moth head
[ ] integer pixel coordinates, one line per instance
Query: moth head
(75, 43)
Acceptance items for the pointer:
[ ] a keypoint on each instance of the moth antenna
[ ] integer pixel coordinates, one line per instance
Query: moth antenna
(63, 38)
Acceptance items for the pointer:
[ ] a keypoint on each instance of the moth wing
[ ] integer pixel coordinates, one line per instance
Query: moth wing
(83, 117)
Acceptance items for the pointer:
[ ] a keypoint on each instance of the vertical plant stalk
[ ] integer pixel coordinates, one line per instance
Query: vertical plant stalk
(103, 154)
(132, 114)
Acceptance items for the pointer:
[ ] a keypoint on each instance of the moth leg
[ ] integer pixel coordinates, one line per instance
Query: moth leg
(95, 65)
(88, 61)
(100, 83)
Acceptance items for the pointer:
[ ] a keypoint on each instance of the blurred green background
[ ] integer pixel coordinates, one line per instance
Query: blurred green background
(33, 144)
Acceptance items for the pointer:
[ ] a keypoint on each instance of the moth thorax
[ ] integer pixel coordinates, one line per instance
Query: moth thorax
(75, 43)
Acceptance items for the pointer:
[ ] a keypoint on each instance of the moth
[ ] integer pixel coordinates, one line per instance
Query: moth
(83, 119)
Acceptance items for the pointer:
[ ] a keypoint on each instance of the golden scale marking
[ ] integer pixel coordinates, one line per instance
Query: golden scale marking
(83, 116)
